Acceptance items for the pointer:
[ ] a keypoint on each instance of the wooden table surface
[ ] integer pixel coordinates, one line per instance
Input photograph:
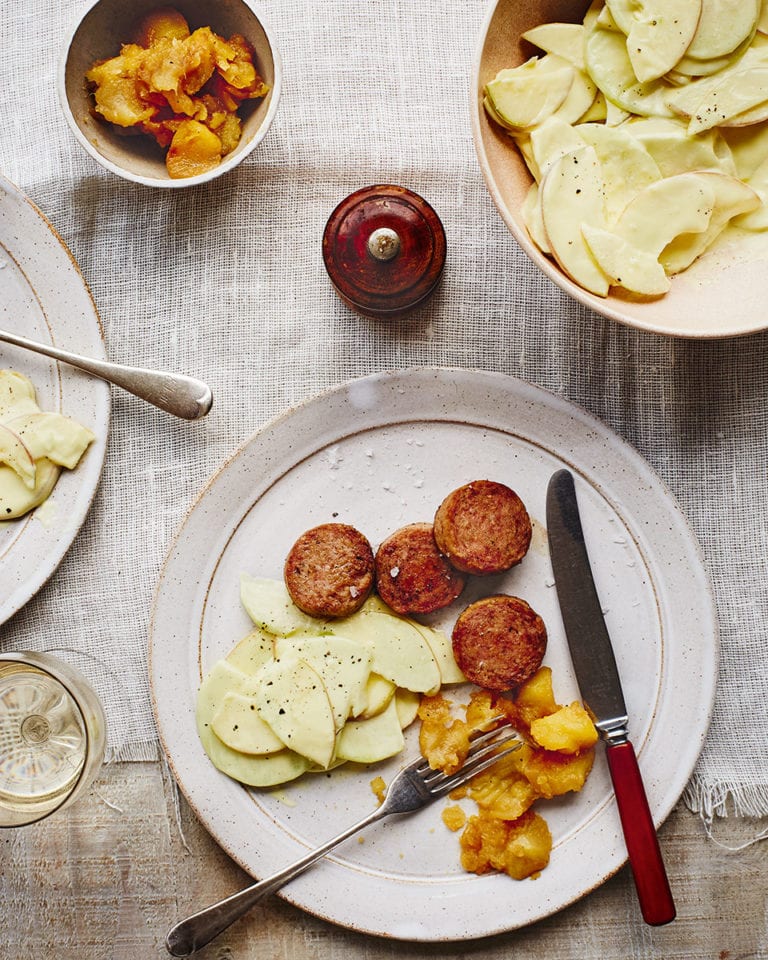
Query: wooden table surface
(109, 876)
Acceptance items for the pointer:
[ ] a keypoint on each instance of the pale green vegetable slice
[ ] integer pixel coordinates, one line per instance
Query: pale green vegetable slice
(524, 96)
(675, 151)
(16, 455)
(292, 699)
(572, 194)
(580, 98)
(660, 35)
(627, 265)
(531, 211)
(666, 209)
(723, 26)
(254, 771)
(732, 198)
(15, 388)
(442, 650)
(739, 93)
(407, 706)
(757, 219)
(16, 498)
(252, 652)
(552, 140)
(237, 724)
(343, 664)
(623, 13)
(61, 439)
(609, 66)
(565, 40)
(749, 147)
(371, 740)
(625, 164)
(378, 692)
(598, 111)
(269, 605)
(400, 653)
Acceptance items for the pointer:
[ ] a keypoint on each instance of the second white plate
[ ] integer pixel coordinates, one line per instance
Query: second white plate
(44, 297)
(378, 453)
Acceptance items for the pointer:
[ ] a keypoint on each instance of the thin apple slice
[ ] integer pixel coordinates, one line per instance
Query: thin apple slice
(252, 652)
(674, 151)
(723, 26)
(572, 194)
(552, 140)
(269, 605)
(627, 266)
(16, 498)
(739, 93)
(609, 66)
(523, 96)
(237, 724)
(407, 706)
(344, 666)
(61, 439)
(564, 40)
(660, 35)
(442, 650)
(16, 392)
(531, 212)
(400, 653)
(626, 166)
(292, 699)
(665, 210)
(756, 220)
(372, 740)
(378, 691)
(17, 455)
(732, 197)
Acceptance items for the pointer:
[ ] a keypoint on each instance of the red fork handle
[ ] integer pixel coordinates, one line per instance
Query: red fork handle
(651, 882)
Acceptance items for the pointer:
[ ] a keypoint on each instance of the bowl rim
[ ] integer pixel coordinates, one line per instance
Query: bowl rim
(548, 267)
(229, 163)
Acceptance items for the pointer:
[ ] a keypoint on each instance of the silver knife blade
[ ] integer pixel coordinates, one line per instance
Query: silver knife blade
(585, 628)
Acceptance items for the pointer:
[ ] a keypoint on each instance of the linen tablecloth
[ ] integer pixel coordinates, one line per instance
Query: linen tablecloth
(226, 281)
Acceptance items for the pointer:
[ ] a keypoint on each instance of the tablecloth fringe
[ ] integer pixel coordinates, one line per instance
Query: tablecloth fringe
(724, 799)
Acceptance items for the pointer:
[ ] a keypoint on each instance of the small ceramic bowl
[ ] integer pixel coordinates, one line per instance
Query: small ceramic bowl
(721, 295)
(104, 27)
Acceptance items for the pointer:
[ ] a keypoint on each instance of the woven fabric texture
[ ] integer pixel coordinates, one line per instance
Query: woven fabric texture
(226, 281)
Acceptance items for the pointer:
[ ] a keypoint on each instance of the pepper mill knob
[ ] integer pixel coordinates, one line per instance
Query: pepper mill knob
(384, 250)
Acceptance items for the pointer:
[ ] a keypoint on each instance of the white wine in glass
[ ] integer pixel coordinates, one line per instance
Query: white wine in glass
(52, 736)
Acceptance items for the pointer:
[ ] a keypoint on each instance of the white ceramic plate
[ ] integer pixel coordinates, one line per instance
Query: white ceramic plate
(378, 453)
(43, 296)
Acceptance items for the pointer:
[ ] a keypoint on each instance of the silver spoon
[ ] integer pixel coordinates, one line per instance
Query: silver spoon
(175, 393)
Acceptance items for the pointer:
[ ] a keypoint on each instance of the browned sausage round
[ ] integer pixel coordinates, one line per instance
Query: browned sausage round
(412, 576)
(499, 642)
(483, 527)
(329, 570)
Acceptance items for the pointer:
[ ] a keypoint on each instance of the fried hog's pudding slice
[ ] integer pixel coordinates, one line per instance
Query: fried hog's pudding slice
(329, 570)
(483, 527)
(499, 642)
(412, 576)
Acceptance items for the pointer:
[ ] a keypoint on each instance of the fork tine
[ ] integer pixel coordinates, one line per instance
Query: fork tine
(475, 764)
(478, 738)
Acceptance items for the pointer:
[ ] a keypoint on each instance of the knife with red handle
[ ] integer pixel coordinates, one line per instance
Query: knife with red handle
(600, 687)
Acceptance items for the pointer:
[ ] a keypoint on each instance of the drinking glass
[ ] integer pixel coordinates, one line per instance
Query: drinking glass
(52, 736)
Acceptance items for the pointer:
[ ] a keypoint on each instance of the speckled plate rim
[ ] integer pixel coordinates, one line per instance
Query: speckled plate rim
(443, 908)
(68, 318)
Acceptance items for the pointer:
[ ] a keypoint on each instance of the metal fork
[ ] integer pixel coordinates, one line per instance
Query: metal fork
(414, 787)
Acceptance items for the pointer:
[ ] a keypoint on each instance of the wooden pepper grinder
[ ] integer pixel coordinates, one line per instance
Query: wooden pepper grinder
(384, 250)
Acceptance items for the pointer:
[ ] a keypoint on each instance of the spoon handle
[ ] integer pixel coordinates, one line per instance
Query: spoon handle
(175, 393)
